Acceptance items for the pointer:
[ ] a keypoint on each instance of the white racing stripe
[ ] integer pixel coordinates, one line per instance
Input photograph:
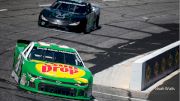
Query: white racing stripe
(44, 5)
(126, 97)
(2, 10)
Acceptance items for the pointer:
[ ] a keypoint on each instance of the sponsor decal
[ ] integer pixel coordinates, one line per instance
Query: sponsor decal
(156, 68)
(148, 73)
(163, 65)
(60, 70)
(177, 57)
(170, 61)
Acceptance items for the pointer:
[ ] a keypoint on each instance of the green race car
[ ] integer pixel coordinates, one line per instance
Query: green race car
(51, 69)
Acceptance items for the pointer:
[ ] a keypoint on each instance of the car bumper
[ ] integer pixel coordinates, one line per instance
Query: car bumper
(59, 90)
(61, 23)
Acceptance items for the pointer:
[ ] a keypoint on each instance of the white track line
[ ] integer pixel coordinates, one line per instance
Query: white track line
(120, 96)
(44, 5)
(2, 10)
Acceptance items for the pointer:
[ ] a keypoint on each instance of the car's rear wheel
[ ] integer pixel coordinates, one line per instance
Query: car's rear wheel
(97, 21)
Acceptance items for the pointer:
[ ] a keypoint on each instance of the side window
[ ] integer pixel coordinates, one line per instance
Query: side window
(26, 51)
(78, 61)
(48, 56)
(71, 8)
(63, 7)
(36, 54)
(59, 57)
(70, 59)
(54, 5)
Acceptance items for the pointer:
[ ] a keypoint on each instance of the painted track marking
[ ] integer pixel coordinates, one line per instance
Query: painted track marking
(2, 10)
(44, 5)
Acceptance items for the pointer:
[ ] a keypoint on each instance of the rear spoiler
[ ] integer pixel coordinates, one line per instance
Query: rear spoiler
(23, 41)
(21, 45)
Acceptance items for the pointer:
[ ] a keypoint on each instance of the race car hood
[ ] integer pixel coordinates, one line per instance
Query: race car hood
(62, 15)
(58, 71)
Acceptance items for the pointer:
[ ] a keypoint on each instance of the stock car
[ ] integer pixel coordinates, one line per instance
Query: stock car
(51, 69)
(71, 14)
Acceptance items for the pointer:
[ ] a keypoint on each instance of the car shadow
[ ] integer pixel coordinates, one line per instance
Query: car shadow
(74, 30)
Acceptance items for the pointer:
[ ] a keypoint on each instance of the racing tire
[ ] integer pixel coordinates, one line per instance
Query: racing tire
(97, 22)
(95, 26)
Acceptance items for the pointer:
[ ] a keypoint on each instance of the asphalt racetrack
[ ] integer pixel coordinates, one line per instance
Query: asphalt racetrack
(128, 28)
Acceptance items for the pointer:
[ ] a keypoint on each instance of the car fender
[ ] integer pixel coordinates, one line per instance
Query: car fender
(96, 8)
(18, 58)
(20, 47)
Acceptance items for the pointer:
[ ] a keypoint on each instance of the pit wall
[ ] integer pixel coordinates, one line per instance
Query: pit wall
(149, 69)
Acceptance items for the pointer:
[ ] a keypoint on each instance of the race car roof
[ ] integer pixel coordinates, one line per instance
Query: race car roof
(75, 1)
(54, 46)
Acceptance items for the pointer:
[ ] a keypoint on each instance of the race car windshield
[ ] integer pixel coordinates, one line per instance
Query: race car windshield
(69, 7)
(54, 56)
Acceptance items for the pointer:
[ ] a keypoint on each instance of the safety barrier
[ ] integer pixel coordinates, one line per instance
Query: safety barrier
(149, 69)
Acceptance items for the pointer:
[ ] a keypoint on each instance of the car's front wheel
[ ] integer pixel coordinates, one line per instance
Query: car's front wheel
(83, 27)
(97, 22)
(42, 23)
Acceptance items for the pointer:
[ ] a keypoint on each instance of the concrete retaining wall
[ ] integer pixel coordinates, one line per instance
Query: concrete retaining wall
(149, 69)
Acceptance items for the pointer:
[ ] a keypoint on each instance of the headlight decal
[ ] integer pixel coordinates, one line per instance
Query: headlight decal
(43, 18)
(75, 23)
(81, 80)
(32, 79)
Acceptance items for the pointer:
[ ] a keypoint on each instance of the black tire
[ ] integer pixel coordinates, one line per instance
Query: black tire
(83, 26)
(42, 23)
(97, 21)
